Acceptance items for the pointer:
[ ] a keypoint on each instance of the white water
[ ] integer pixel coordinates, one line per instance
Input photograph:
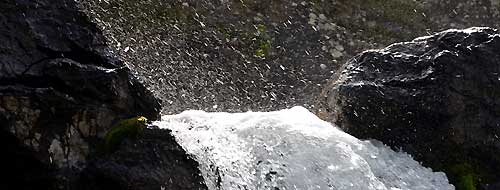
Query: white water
(292, 149)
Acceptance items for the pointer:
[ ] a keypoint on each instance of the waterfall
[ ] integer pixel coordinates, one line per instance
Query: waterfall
(292, 149)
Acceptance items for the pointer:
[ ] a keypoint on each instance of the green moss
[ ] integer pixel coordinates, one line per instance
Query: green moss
(256, 41)
(466, 175)
(262, 47)
(129, 128)
(260, 27)
(261, 41)
(463, 176)
(466, 182)
(226, 32)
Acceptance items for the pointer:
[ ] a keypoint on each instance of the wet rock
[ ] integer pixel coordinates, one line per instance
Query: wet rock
(155, 161)
(435, 97)
(260, 54)
(60, 90)
(20, 168)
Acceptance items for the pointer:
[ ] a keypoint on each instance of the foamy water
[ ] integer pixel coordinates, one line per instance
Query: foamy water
(292, 149)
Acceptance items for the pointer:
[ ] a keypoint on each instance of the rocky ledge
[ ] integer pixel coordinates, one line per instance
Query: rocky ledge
(436, 97)
(60, 91)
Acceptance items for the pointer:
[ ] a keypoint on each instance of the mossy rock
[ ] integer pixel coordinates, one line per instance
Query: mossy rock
(126, 129)
(463, 176)
(467, 175)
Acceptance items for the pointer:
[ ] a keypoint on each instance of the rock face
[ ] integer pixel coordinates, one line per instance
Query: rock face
(236, 55)
(60, 90)
(155, 161)
(436, 97)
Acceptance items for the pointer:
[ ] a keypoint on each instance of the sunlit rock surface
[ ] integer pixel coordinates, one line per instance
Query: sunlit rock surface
(292, 149)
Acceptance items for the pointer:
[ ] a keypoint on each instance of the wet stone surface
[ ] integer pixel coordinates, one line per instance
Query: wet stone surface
(60, 91)
(234, 55)
(435, 97)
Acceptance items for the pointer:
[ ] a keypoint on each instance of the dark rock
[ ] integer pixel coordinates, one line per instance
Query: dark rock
(60, 90)
(20, 168)
(155, 161)
(436, 97)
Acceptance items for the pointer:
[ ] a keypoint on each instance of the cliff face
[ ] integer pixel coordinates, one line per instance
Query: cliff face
(435, 97)
(259, 54)
(60, 90)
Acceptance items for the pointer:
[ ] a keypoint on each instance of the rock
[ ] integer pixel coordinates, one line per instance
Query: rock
(263, 55)
(436, 97)
(21, 169)
(60, 90)
(155, 161)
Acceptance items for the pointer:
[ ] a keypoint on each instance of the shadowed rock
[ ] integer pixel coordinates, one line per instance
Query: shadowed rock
(155, 161)
(60, 90)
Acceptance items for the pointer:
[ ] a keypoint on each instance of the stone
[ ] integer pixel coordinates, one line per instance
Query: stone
(171, 44)
(155, 161)
(436, 97)
(61, 89)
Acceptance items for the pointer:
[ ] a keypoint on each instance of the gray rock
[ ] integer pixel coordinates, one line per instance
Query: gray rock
(261, 54)
(435, 97)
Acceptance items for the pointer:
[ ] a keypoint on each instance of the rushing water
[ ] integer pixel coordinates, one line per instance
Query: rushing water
(292, 149)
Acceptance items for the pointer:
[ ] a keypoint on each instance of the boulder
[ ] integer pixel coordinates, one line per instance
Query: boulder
(60, 91)
(436, 97)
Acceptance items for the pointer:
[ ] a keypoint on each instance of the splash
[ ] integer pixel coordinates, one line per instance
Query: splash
(292, 149)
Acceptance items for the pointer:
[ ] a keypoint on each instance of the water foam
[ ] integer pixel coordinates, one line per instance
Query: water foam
(292, 149)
